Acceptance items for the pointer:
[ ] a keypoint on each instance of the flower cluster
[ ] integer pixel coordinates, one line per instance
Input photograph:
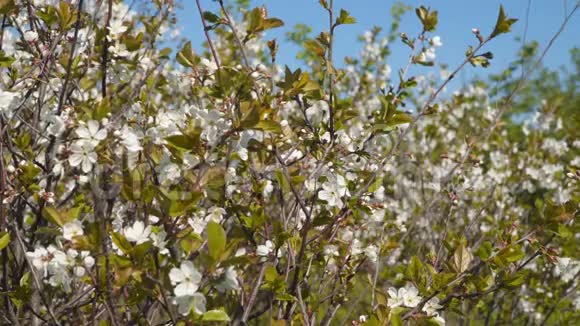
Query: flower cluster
(144, 179)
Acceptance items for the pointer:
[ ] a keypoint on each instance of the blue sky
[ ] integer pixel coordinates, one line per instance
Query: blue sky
(456, 19)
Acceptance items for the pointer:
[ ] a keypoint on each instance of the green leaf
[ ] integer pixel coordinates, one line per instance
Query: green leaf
(564, 232)
(4, 239)
(517, 279)
(139, 251)
(428, 18)
(485, 250)
(511, 254)
(461, 259)
(121, 242)
(133, 43)
(503, 24)
(215, 315)
(315, 47)
(479, 61)
(396, 320)
(211, 17)
(53, 216)
(102, 109)
(216, 240)
(259, 23)
(182, 142)
(214, 181)
(285, 297)
(344, 18)
(5, 61)
(399, 118)
(185, 56)
(414, 269)
(251, 116)
(268, 125)
(6, 6)
(425, 63)
(442, 279)
(25, 279)
(272, 23)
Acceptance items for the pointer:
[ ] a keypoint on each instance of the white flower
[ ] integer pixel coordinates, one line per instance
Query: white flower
(411, 298)
(7, 100)
(330, 194)
(378, 215)
(119, 50)
(40, 259)
(30, 36)
(566, 268)
(317, 112)
(79, 271)
(211, 66)
(89, 261)
(130, 140)
(186, 303)
(265, 249)
(356, 247)
(432, 306)
(408, 297)
(116, 27)
(439, 320)
(56, 125)
(186, 278)
(243, 153)
(47, 196)
(215, 214)
(82, 154)
(72, 229)
(230, 281)
(197, 224)
(138, 232)
(169, 173)
(371, 252)
(91, 133)
(330, 251)
(436, 41)
(268, 188)
(159, 241)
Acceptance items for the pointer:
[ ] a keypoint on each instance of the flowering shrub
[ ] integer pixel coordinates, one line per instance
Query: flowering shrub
(148, 188)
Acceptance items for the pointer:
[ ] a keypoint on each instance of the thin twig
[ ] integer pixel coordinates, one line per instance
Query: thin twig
(208, 38)
(254, 293)
(34, 276)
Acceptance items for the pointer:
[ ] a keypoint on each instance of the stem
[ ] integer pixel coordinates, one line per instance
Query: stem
(330, 72)
(254, 294)
(208, 38)
(236, 37)
(35, 278)
(70, 59)
(106, 50)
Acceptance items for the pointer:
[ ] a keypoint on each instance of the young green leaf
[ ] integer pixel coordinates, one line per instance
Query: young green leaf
(216, 240)
(215, 315)
(344, 18)
(211, 17)
(503, 24)
(428, 18)
(186, 56)
(4, 239)
(461, 259)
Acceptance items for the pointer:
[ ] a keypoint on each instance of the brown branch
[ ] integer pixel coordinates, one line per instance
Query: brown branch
(208, 38)
(254, 293)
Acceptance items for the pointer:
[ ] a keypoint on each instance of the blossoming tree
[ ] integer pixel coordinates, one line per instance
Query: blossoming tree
(144, 187)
